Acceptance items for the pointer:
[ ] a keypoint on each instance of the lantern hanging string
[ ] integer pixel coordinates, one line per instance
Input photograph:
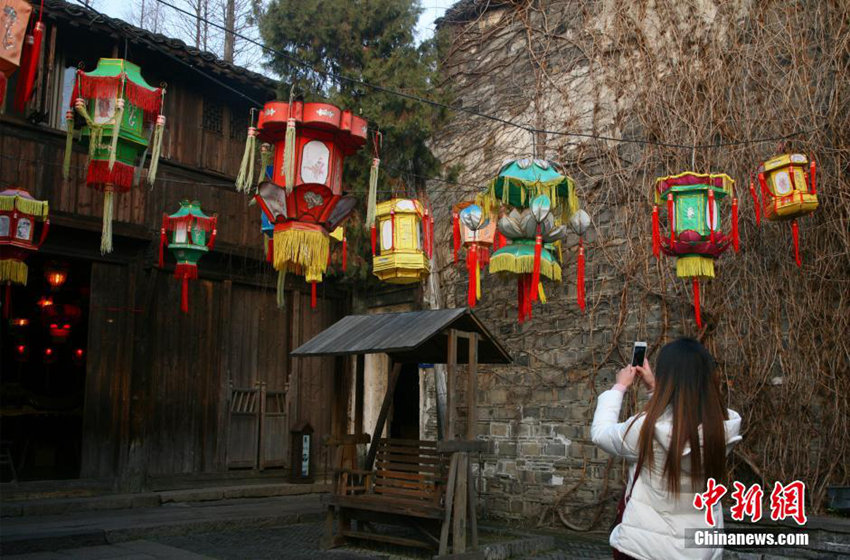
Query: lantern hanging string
(431, 102)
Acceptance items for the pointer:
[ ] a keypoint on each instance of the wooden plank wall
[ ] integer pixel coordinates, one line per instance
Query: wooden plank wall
(178, 369)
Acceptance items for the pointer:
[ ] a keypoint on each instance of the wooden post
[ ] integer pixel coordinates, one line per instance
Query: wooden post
(473, 513)
(451, 366)
(358, 393)
(382, 417)
(472, 387)
(261, 417)
(450, 492)
(461, 495)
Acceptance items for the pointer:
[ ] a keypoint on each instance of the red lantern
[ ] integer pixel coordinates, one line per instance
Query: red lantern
(305, 200)
(56, 277)
(14, 18)
(60, 319)
(20, 215)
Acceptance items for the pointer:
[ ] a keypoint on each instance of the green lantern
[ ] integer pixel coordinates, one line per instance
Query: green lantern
(120, 109)
(192, 235)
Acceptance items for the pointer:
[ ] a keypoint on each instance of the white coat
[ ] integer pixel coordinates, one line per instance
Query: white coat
(653, 526)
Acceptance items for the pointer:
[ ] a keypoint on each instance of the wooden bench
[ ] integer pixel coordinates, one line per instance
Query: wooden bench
(407, 486)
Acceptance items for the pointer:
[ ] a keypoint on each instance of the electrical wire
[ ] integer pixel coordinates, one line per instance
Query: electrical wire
(461, 109)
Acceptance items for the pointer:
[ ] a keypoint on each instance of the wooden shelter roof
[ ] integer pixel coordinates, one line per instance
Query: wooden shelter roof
(411, 337)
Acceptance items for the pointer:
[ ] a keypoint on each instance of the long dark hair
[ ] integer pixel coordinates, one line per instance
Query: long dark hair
(685, 378)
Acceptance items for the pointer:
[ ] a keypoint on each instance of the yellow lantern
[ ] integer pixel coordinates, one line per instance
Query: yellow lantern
(788, 191)
(402, 256)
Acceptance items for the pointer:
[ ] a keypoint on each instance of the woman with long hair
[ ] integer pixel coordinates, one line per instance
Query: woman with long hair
(679, 441)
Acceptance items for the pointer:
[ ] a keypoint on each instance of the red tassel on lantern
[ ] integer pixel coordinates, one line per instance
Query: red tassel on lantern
(184, 295)
(735, 237)
(520, 298)
(313, 295)
(374, 234)
(535, 275)
(431, 237)
(472, 270)
(696, 302)
(162, 241)
(795, 233)
(456, 235)
(499, 241)
(765, 193)
(344, 252)
(580, 275)
(755, 200)
(29, 66)
(656, 233)
(813, 188)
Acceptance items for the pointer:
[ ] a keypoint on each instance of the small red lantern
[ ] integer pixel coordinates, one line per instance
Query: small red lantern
(60, 319)
(192, 236)
(49, 355)
(22, 353)
(44, 301)
(56, 278)
(78, 357)
(305, 200)
(20, 214)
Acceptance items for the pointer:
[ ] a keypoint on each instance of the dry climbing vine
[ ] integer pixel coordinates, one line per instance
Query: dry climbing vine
(705, 73)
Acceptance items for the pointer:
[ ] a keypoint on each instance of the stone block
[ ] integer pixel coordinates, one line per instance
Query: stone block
(500, 429)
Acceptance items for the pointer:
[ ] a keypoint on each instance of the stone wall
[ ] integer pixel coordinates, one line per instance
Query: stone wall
(562, 66)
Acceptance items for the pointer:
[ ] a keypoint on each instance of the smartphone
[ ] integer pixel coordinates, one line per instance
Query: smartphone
(639, 353)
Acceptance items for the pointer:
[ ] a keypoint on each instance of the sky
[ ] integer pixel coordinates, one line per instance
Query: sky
(431, 11)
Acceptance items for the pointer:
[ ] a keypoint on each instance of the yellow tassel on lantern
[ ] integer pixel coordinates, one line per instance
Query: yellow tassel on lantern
(304, 249)
(524, 265)
(695, 266)
(13, 271)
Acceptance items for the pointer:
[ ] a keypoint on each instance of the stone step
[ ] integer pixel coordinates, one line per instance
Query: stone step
(64, 505)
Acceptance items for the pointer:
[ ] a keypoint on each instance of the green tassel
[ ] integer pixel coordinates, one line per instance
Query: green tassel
(245, 178)
(289, 155)
(116, 130)
(156, 150)
(69, 144)
(372, 199)
(266, 158)
(281, 293)
(106, 234)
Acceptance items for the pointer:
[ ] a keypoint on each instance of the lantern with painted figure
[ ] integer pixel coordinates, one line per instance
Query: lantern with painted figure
(788, 192)
(192, 235)
(119, 107)
(14, 41)
(305, 200)
(695, 237)
(541, 200)
(402, 254)
(24, 225)
(476, 232)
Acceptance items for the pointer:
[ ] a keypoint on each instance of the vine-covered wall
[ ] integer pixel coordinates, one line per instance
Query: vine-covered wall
(713, 74)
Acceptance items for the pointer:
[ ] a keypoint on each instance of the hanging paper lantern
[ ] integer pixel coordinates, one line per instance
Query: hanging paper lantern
(305, 200)
(60, 319)
(788, 191)
(118, 106)
(695, 236)
(543, 199)
(579, 223)
(192, 236)
(402, 255)
(476, 232)
(14, 17)
(20, 215)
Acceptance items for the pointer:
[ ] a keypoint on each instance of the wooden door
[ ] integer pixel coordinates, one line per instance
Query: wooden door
(258, 434)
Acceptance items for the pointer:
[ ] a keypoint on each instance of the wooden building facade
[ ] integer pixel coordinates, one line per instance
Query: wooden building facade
(141, 390)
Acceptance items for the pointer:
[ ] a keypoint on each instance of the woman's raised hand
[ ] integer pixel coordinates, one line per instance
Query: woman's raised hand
(626, 376)
(645, 373)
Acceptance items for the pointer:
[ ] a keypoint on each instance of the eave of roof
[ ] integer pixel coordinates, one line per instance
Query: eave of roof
(65, 11)
(416, 336)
